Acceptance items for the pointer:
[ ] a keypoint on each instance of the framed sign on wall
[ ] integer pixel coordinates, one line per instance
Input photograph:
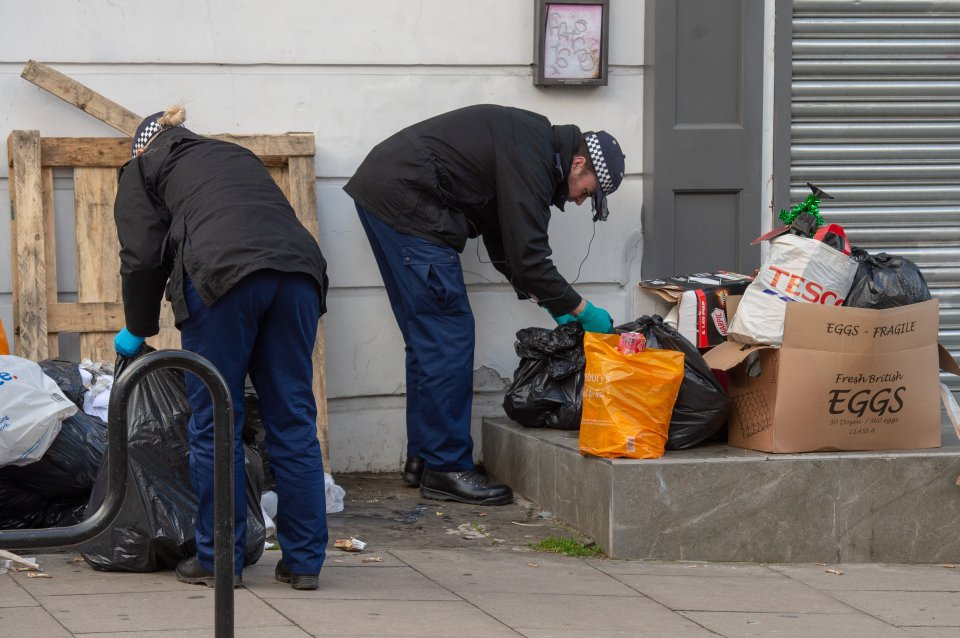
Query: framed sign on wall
(570, 42)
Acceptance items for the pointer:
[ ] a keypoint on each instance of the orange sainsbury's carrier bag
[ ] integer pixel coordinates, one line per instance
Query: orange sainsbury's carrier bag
(627, 398)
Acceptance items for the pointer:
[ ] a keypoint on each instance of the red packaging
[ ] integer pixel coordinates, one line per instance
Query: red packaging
(632, 343)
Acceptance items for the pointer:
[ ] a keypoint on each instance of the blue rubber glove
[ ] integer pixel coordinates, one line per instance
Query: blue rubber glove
(595, 319)
(126, 343)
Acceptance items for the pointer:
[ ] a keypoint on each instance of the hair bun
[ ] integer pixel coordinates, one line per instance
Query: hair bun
(173, 116)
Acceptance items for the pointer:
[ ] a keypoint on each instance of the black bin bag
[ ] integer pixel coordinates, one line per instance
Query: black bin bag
(54, 490)
(69, 467)
(703, 406)
(67, 375)
(155, 527)
(885, 281)
(548, 383)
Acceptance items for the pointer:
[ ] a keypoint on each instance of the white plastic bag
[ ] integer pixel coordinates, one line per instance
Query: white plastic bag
(31, 411)
(334, 494)
(796, 269)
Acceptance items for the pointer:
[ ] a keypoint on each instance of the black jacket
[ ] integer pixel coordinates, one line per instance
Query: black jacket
(481, 170)
(206, 209)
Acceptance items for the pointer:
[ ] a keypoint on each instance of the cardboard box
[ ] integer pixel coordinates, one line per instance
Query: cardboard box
(697, 304)
(844, 379)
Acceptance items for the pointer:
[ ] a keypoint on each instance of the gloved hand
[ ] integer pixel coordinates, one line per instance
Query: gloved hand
(594, 319)
(564, 319)
(126, 343)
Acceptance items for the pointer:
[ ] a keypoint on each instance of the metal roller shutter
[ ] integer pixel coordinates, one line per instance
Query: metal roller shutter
(876, 124)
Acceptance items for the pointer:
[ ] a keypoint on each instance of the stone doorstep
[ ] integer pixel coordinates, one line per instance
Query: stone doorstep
(720, 503)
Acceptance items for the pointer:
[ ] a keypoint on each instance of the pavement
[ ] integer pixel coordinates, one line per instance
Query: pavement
(442, 569)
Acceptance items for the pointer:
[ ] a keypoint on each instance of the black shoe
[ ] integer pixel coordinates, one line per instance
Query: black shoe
(190, 571)
(297, 581)
(463, 487)
(412, 471)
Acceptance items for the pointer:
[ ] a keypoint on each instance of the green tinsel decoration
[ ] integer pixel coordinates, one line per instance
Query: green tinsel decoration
(810, 205)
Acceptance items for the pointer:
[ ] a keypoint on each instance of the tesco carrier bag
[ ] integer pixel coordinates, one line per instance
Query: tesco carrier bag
(797, 268)
(32, 409)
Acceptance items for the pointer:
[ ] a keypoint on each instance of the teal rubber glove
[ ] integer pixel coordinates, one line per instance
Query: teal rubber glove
(565, 319)
(126, 343)
(595, 319)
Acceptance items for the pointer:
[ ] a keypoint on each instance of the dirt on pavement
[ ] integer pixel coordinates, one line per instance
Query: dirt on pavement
(382, 511)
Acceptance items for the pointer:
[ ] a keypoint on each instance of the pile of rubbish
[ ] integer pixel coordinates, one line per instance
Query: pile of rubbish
(649, 387)
(53, 437)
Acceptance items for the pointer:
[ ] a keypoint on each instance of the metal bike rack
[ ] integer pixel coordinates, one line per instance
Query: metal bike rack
(116, 462)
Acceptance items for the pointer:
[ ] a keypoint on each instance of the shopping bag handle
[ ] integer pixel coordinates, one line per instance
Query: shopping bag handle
(836, 229)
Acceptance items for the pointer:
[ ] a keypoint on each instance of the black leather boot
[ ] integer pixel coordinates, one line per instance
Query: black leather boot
(413, 470)
(463, 487)
(190, 571)
(297, 581)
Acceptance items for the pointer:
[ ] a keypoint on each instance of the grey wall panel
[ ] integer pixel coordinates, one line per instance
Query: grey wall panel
(699, 215)
(875, 122)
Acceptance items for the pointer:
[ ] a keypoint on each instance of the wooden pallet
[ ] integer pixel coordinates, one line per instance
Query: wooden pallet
(40, 314)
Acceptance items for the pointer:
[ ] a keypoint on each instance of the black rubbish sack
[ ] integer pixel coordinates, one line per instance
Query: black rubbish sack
(155, 527)
(885, 281)
(54, 490)
(703, 406)
(67, 376)
(69, 467)
(548, 383)
(21, 507)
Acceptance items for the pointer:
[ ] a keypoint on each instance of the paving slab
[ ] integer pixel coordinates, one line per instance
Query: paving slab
(188, 609)
(585, 614)
(29, 622)
(70, 574)
(727, 593)
(12, 592)
(286, 631)
(391, 618)
(795, 625)
(512, 573)
(348, 583)
(908, 608)
(932, 632)
(868, 577)
(683, 568)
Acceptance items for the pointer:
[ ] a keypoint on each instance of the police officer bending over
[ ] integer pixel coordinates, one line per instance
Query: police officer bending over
(489, 171)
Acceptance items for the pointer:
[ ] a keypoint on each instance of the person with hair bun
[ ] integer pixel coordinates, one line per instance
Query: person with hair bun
(203, 220)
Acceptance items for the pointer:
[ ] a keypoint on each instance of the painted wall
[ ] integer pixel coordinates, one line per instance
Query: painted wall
(352, 73)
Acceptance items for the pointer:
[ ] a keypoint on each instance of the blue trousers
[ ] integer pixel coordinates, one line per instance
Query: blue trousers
(265, 325)
(424, 282)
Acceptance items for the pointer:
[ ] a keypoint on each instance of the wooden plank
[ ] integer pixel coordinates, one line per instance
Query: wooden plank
(85, 99)
(115, 151)
(12, 194)
(84, 151)
(30, 322)
(91, 316)
(287, 144)
(302, 192)
(50, 250)
(98, 252)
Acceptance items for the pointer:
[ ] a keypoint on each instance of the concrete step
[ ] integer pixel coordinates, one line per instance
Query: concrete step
(720, 503)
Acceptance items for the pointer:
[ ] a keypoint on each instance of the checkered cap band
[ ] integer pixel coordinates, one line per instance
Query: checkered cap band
(145, 132)
(599, 164)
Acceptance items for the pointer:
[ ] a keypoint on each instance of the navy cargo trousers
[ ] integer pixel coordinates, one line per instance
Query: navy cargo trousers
(267, 325)
(424, 282)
